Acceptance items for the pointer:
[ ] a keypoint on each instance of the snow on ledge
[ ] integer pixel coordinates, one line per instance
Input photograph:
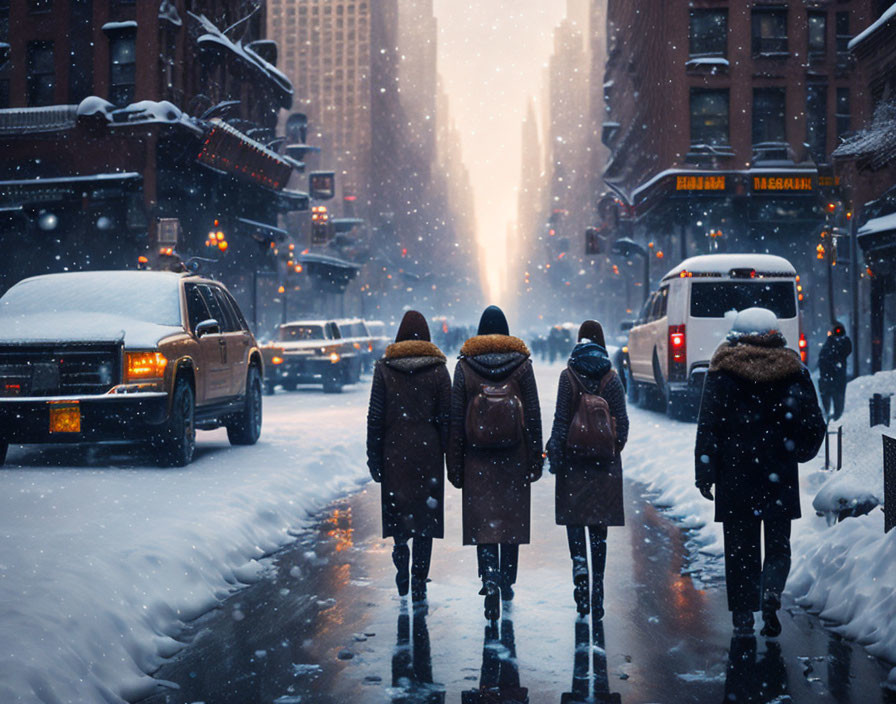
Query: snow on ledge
(871, 29)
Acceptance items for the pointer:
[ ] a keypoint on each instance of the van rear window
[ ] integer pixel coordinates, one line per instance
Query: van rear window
(714, 299)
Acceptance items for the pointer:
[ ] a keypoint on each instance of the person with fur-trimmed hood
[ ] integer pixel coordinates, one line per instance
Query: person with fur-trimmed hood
(495, 450)
(759, 418)
(407, 435)
(589, 487)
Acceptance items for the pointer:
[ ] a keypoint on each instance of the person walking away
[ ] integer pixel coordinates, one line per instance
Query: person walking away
(407, 435)
(832, 370)
(759, 417)
(590, 429)
(495, 451)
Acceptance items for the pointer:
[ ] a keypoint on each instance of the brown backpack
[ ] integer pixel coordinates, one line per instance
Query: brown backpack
(592, 432)
(494, 418)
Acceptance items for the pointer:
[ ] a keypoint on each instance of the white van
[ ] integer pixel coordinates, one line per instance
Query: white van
(685, 320)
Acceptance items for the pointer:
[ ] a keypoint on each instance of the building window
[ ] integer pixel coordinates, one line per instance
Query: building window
(843, 35)
(709, 116)
(122, 69)
(843, 112)
(769, 31)
(817, 121)
(4, 22)
(769, 124)
(818, 35)
(709, 33)
(41, 74)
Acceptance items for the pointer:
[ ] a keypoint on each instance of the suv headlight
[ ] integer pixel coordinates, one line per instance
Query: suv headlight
(144, 366)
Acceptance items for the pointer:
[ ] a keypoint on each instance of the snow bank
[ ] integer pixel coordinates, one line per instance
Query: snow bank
(102, 563)
(862, 478)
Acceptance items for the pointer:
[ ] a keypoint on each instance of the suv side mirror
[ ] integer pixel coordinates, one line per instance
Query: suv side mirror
(626, 325)
(208, 327)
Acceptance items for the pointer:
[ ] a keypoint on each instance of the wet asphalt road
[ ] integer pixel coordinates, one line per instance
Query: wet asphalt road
(325, 625)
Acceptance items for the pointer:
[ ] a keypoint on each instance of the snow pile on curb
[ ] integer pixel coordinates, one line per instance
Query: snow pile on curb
(861, 481)
(845, 574)
(101, 565)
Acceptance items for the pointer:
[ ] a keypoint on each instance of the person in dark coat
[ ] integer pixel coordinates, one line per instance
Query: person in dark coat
(759, 418)
(494, 367)
(588, 492)
(407, 435)
(832, 370)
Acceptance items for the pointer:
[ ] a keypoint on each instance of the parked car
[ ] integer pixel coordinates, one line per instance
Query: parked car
(685, 320)
(311, 352)
(126, 355)
(355, 333)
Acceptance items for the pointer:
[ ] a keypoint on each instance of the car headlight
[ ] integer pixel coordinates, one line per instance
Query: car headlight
(335, 357)
(276, 360)
(144, 366)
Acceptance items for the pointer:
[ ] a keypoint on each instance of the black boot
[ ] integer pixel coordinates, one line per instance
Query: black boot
(492, 601)
(743, 622)
(580, 593)
(771, 627)
(418, 590)
(401, 558)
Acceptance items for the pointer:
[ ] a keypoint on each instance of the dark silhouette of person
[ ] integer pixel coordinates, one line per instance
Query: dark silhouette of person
(407, 435)
(580, 694)
(412, 661)
(832, 371)
(759, 418)
(495, 451)
(749, 680)
(499, 679)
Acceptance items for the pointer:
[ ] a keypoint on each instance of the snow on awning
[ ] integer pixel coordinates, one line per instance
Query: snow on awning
(877, 143)
(215, 43)
(868, 31)
(885, 223)
(264, 232)
(289, 201)
(60, 188)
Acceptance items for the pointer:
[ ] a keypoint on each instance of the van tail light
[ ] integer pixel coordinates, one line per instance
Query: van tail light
(678, 358)
(804, 348)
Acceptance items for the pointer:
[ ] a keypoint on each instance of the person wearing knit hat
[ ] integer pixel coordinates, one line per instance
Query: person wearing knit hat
(407, 435)
(589, 483)
(495, 450)
(759, 418)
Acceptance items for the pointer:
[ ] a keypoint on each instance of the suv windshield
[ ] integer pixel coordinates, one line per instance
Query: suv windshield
(714, 299)
(147, 297)
(301, 332)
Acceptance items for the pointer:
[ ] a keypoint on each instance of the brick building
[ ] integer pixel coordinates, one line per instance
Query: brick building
(721, 120)
(118, 114)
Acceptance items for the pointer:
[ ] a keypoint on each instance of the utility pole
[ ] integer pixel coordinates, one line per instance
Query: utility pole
(854, 292)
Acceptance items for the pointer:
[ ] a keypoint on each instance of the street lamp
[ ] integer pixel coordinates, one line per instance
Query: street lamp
(627, 247)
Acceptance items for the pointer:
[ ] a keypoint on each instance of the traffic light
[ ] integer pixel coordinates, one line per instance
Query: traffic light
(320, 225)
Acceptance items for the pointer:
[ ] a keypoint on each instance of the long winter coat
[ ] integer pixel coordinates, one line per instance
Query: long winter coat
(758, 419)
(407, 435)
(588, 493)
(495, 483)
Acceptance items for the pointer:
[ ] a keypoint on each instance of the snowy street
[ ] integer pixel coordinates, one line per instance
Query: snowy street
(130, 555)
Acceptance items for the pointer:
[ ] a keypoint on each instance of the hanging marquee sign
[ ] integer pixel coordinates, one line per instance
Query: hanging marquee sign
(783, 183)
(229, 150)
(699, 183)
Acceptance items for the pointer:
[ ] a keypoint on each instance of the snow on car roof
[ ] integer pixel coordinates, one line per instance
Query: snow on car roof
(721, 264)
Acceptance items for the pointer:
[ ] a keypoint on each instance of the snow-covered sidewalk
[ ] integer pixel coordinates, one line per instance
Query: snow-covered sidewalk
(102, 561)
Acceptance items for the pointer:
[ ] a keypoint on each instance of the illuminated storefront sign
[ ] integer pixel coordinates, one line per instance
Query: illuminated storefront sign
(782, 183)
(700, 183)
(828, 181)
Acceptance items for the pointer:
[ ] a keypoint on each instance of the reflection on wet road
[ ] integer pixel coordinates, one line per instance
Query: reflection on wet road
(326, 626)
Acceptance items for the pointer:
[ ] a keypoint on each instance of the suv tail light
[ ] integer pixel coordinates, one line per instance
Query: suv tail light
(804, 348)
(678, 358)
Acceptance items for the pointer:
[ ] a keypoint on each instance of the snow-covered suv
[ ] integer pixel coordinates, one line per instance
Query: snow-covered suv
(126, 355)
(685, 320)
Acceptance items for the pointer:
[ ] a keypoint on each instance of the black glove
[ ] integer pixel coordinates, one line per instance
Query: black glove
(706, 491)
(376, 473)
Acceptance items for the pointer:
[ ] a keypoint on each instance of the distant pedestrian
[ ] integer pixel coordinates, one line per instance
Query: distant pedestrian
(590, 429)
(407, 435)
(495, 451)
(832, 371)
(759, 417)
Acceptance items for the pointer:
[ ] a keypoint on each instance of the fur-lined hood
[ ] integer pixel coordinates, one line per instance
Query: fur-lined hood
(761, 358)
(412, 355)
(494, 356)
(493, 344)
